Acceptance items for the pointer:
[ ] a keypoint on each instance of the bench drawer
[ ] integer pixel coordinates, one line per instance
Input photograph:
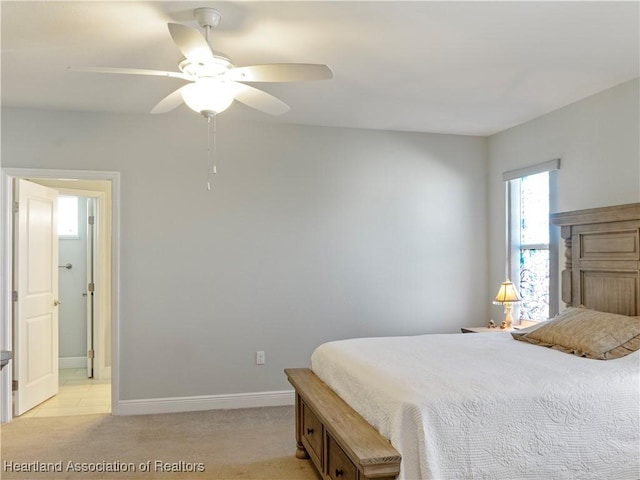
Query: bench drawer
(312, 431)
(339, 467)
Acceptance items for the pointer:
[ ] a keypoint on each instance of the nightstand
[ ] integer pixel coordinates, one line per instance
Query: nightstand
(522, 324)
(484, 330)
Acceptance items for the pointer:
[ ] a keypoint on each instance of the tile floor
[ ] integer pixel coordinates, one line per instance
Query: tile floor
(78, 395)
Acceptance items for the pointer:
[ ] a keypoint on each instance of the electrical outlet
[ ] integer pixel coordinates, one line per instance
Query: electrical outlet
(260, 359)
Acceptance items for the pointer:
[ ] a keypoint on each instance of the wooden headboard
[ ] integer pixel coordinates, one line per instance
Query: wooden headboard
(602, 252)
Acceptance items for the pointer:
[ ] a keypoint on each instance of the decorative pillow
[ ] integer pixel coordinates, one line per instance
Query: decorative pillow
(586, 333)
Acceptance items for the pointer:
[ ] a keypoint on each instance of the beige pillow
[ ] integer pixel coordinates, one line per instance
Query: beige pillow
(586, 333)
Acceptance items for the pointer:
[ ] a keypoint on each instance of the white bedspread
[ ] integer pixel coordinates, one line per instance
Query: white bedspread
(485, 406)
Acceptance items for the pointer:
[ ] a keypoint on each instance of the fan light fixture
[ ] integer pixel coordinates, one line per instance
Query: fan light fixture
(208, 96)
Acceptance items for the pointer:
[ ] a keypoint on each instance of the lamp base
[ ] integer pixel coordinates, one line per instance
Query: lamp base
(506, 324)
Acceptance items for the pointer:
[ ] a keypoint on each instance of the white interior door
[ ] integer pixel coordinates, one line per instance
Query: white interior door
(36, 283)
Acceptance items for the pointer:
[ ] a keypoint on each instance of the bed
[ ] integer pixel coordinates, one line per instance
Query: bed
(488, 406)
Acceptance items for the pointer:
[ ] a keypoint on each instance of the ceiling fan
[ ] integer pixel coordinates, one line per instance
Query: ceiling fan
(214, 81)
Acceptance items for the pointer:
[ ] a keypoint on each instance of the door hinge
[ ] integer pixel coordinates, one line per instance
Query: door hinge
(16, 206)
(14, 295)
(91, 287)
(92, 219)
(14, 385)
(91, 354)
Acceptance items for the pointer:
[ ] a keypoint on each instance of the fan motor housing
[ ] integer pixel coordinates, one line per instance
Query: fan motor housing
(220, 65)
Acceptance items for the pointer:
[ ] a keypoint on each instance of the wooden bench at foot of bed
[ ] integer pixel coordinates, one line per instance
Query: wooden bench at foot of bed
(341, 444)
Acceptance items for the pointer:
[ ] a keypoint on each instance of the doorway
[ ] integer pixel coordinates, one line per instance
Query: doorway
(76, 244)
(84, 374)
(103, 189)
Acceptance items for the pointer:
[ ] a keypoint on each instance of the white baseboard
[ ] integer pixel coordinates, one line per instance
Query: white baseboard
(205, 402)
(72, 362)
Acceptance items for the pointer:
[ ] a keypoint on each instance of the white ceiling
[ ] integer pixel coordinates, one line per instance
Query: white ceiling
(471, 68)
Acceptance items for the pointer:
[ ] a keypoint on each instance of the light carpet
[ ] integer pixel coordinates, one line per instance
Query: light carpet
(256, 443)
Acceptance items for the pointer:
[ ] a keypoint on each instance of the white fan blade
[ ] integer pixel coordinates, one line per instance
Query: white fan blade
(129, 71)
(260, 100)
(168, 103)
(280, 72)
(191, 43)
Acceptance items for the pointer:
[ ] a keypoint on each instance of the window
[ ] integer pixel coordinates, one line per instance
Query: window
(67, 216)
(533, 241)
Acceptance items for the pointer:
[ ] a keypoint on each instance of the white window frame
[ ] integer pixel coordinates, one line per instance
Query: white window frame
(513, 229)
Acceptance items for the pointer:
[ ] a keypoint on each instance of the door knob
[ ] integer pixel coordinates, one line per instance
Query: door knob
(57, 302)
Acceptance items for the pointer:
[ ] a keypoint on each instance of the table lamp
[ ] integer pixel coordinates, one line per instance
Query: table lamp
(507, 296)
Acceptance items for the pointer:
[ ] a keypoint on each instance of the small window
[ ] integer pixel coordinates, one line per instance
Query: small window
(532, 256)
(533, 246)
(67, 216)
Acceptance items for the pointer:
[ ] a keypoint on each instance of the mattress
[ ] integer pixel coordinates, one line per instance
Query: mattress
(485, 406)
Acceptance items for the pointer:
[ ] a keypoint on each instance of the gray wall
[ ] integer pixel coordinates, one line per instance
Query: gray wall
(598, 142)
(310, 234)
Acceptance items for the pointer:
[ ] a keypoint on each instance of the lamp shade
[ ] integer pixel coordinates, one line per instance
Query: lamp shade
(208, 96)
(506, 294)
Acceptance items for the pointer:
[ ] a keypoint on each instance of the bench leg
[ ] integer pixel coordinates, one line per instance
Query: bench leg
(301, 452)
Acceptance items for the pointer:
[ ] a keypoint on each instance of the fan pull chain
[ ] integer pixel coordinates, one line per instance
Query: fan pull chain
(211, 125)
(211, 152)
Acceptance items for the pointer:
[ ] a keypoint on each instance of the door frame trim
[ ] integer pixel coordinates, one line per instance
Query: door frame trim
(6, 178)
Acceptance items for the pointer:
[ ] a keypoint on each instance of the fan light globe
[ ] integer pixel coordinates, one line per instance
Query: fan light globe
(208, 96)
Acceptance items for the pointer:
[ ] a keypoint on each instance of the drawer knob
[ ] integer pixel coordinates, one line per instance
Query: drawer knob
(309, 431)
(339, 472)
